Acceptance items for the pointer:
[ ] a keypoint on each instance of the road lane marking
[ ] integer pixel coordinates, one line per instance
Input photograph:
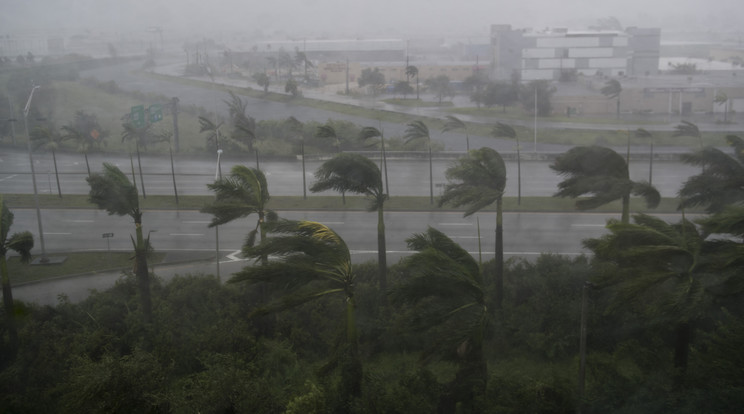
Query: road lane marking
(196, 222)
(79, 221)
(63, 234)
(186, 234)
(455, 224)
(588, 225)
(9, 177)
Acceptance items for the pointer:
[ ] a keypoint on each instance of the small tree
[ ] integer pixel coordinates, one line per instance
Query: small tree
(372, 79)
(440, 86)
(612, 90)
(22, 243)
(262, 80)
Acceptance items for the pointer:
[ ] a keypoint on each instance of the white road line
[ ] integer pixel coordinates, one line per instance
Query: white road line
(454, 224)
(9, 177)
(79, 221)
(464, 237)
(196, 222)
(63, 234)
(588, 225)
(234, 256)
(186, 234)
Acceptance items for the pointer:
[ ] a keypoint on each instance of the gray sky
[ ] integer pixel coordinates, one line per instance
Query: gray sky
(350, 18)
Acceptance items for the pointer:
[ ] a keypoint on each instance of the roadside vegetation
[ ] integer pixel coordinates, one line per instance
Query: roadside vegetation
(650, 321)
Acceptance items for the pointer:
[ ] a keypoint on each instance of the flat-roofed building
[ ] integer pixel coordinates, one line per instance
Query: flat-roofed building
(553, 53)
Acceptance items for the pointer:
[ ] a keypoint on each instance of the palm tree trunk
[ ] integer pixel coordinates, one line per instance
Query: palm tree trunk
(626, 209)
(381, 252)
(141, 271)
(499, 254)
(9, 305)
(431, 177)
(56, 174)
(683, 336)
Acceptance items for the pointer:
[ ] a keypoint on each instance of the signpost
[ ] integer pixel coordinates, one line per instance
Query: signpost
(108, 236)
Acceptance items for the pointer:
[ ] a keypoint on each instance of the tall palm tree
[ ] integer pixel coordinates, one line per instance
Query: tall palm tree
(142, 137)
(412, 71)
(86, 132)
(243, 126)
(327, 131)
(446, 279)
(721, 181)
(642, 133)
(309, 261)
(112, 191)
(452, 123)
(22, 243)
(51, 141)
(602, 175)
(356, 173)
(214, 132)
(612, 90)
(418, 130)
(367, 133)
(296, 129)
(660, 269)
(477, 181)
(688, 129)
(504, 130)
(242, 193)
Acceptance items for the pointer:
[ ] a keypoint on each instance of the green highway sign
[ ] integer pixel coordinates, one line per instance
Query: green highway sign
(137, 116)
(156, 112)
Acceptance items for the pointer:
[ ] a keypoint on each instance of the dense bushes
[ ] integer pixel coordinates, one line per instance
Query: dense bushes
(202, 353)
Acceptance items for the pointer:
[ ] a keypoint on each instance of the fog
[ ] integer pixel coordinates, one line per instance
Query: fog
(340, 18)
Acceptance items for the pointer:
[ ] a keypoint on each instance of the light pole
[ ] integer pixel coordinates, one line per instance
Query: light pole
(218, 175)
(44, 258)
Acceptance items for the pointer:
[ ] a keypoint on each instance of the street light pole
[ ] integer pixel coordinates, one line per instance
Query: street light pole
(44, 258)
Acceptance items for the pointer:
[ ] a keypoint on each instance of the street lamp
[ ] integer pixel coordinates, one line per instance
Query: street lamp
(218, 175)
(44, 258)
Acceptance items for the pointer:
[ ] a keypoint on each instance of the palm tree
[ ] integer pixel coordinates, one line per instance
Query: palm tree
(51, 141)
(477, 181)
(142, 137)
(446, 279)
(244, 126)
(688, 129)
(721, 181)
(296, 129)
(87, 132)
(452, 123)
(722, 99)
(602, 174)
(412, 71)
(327, 131)
(368, 133)
(309, 261)
(112, 191)
(356, 173)
(22, 243)
(642, 133)
(504, 130)
(661, 269)
(262, 80)
(418, 130)
(612, 90)
(213, 130)
(240, 194)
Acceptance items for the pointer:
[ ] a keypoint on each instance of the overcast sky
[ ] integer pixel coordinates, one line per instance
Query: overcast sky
(350, 18)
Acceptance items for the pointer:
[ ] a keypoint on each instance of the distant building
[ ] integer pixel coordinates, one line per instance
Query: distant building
(551, 54)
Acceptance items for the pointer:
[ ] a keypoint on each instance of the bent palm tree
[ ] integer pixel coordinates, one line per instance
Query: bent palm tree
(504, 130)
(419, 130)
(412, 71)
(602, 174)
(446, 279)
(476, 181)
(659, 268)
(112, 191)
(612, 90)
(240, 194)
(368, 133)
(22, 243)
(309, 261)
(642, 133)
(51, 141)
(688, 129)
(452, 123)
(358, 174)
(243, 126)
(722, 180)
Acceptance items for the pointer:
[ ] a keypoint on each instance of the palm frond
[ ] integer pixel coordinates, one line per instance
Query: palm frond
(416, 130)
(452, 123)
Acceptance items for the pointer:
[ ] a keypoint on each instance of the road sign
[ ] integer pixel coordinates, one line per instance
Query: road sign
(156, 112)
(107, 235)
(138, 116)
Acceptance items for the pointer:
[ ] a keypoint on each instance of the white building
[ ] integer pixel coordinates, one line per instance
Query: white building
(551, 54)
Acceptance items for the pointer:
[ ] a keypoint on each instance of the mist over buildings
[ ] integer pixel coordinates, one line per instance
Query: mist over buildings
(354, 19)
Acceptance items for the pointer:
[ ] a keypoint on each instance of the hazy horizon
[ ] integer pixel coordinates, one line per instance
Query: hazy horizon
(337, 18)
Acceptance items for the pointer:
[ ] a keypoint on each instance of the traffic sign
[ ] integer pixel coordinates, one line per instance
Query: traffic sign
(156, 112)
(138, 116)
